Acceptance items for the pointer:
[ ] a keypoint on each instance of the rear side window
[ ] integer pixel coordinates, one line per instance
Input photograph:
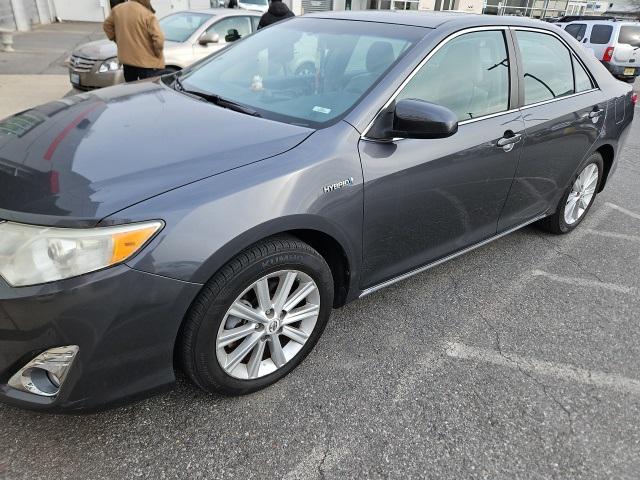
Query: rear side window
(583, 82)
(630, 35)
(548, 70)
(469, 75)
(601, 34)
(576, 30)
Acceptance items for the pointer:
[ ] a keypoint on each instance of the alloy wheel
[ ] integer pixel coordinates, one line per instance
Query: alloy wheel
(268, 324)
(582, 192)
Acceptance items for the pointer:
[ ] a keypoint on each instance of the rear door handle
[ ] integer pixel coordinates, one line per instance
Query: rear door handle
(509, 140)
(596, 112)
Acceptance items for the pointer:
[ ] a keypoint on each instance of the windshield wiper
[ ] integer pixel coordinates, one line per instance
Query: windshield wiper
(216, 99)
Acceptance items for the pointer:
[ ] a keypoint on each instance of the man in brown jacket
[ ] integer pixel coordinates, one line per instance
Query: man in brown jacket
(136, 31)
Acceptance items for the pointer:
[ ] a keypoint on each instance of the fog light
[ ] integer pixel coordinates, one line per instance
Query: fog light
(45, 374)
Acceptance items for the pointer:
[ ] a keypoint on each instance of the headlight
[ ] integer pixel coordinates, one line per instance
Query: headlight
(110, 65)
(30, 255)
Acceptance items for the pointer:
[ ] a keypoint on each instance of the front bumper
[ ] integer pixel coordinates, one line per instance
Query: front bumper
(124, 321)
(90, 80)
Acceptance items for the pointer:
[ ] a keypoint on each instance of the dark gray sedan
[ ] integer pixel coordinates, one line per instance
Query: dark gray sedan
(211, 219)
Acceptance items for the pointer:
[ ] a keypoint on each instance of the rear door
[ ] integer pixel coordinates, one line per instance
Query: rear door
(563, 111)
(425, 199)
(600, 38)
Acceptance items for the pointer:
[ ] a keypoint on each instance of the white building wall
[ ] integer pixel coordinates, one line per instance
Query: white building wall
(7, 20)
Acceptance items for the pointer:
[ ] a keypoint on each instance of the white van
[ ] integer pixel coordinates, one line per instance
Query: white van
(615, 44)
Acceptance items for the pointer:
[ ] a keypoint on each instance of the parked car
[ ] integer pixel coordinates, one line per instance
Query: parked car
(258, 5)
(189, 37)
(211, 219)
(616, 44)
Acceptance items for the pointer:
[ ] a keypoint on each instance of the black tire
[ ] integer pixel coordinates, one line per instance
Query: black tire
(197, 343)
(556, 223)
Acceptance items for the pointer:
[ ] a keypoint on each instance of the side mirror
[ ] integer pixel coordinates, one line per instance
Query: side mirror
(412, 118)
(209, 38)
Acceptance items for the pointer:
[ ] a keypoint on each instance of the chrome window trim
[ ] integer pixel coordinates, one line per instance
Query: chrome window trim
(490, 115)
(415, 71)
(571, 52)
(558, 99)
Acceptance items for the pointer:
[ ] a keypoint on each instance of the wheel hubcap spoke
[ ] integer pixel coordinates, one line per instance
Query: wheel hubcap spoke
(242, 350)
(253, 367)
(246, 313)
(284, 288)
(262, 292)
(301, 313)
(299, 295)
(230, 336)
(277, 354)
(295, 334)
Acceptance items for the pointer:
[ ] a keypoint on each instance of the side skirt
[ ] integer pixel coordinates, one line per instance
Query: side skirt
(404, 276)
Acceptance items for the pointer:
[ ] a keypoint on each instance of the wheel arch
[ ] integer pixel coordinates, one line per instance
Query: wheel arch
(607, 152)
(328, 239)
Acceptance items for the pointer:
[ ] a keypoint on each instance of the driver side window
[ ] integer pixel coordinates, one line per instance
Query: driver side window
(227, 28)
(469, 75)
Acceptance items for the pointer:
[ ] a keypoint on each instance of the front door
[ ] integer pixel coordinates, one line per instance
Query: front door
(425, 199)
(229, 30)
(563, 115)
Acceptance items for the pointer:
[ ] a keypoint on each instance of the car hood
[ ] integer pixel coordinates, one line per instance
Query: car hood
(98, 50)
(105, 48)
(77, 160)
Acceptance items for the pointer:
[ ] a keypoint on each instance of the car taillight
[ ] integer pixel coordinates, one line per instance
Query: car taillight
(608, 54)
(634, 98)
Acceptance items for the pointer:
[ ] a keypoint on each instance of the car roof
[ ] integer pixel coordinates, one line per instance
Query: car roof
(221, 12)
(430, 19)
(605, 22)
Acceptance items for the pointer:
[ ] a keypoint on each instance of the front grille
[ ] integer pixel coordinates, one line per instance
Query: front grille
(80, 64)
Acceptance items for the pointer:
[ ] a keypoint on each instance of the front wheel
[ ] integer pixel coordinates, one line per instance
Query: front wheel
(578, 198)
(257, 318)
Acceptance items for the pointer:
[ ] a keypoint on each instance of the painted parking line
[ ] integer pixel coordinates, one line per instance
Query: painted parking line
(582, 282)
(560, 371)
(619, 236)
(623, 210)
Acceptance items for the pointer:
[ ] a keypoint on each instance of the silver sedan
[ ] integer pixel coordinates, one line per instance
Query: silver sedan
(189, 36)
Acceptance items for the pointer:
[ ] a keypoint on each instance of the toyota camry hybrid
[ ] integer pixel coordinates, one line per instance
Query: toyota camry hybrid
(210, 220)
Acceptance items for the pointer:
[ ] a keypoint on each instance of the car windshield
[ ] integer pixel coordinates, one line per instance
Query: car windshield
(630, 34)
(307, 71)
(180, 26)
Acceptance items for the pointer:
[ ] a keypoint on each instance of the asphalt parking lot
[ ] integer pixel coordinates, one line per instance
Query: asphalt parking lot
(519, 360)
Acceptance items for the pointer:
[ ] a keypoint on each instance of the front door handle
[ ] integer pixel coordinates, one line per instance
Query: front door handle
(508, 141)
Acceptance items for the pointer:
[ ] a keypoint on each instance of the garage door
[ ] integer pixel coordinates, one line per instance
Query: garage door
(165, 7)
(81, 10)
(6, 15)
(31, 12)
(43, 10)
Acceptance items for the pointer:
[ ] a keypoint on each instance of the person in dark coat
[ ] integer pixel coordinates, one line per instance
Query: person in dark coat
(277, 11)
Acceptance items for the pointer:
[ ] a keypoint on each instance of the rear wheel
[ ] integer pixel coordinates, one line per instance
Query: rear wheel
(578, 198)
(257, 318)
